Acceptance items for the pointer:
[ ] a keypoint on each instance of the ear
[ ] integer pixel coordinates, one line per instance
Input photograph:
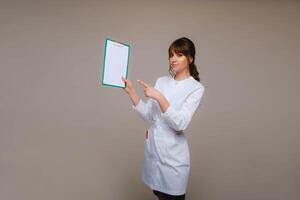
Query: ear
(190, 59)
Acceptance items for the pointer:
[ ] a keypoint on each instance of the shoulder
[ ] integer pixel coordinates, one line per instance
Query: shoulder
(196, 85)
(163, 79)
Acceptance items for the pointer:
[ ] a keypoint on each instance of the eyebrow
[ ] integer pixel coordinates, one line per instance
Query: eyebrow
(176, 53)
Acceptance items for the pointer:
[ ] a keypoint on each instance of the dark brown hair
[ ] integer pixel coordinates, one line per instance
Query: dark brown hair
(187, 48)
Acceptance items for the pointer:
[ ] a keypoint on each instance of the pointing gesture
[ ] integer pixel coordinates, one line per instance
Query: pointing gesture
(142, 83)
(149, 91)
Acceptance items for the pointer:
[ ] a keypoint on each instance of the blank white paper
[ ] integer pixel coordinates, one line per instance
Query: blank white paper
(115, 63)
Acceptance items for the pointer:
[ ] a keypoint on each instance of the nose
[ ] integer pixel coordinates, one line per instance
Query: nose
(172, 58)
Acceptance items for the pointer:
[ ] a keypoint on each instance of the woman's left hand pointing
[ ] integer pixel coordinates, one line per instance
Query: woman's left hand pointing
(149, 91)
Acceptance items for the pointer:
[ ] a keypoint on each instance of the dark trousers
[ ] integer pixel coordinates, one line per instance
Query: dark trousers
(164, 196)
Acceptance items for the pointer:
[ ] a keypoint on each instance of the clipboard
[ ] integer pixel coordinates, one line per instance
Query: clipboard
(115, 63)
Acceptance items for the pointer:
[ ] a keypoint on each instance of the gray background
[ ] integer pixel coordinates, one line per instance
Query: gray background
(65, 137)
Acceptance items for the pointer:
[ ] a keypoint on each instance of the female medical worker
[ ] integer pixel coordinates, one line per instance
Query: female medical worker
(170, 107)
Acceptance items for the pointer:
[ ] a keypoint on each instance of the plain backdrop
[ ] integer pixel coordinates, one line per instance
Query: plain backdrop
(64, 136)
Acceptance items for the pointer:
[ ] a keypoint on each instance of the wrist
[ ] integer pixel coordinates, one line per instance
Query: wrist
(158, 97)
(132, 92)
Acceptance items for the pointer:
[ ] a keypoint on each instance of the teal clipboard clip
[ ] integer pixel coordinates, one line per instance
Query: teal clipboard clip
(105, 60)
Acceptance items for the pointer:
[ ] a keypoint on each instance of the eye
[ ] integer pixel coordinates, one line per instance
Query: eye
(180, 54)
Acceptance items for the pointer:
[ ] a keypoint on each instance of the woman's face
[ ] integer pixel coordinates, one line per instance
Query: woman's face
(178, 62)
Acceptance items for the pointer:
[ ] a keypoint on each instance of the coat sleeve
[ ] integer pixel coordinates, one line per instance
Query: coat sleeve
(180, 119)
(145, 109)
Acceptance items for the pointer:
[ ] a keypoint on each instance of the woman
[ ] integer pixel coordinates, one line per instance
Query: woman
(173, 101)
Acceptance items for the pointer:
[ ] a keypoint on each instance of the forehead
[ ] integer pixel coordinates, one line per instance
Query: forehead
(175, 51)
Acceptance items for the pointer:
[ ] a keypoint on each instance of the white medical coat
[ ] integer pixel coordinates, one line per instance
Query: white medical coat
(166, 155)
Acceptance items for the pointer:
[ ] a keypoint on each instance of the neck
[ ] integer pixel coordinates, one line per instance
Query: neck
(181, 75)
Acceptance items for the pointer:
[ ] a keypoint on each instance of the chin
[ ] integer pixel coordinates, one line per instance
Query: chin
(174, 68)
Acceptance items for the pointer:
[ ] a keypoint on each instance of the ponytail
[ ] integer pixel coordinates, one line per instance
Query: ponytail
(194, 71)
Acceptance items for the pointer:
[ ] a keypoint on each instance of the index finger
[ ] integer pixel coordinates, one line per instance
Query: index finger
(142, 83)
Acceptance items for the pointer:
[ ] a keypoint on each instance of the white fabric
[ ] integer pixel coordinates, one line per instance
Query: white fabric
(167, 157)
